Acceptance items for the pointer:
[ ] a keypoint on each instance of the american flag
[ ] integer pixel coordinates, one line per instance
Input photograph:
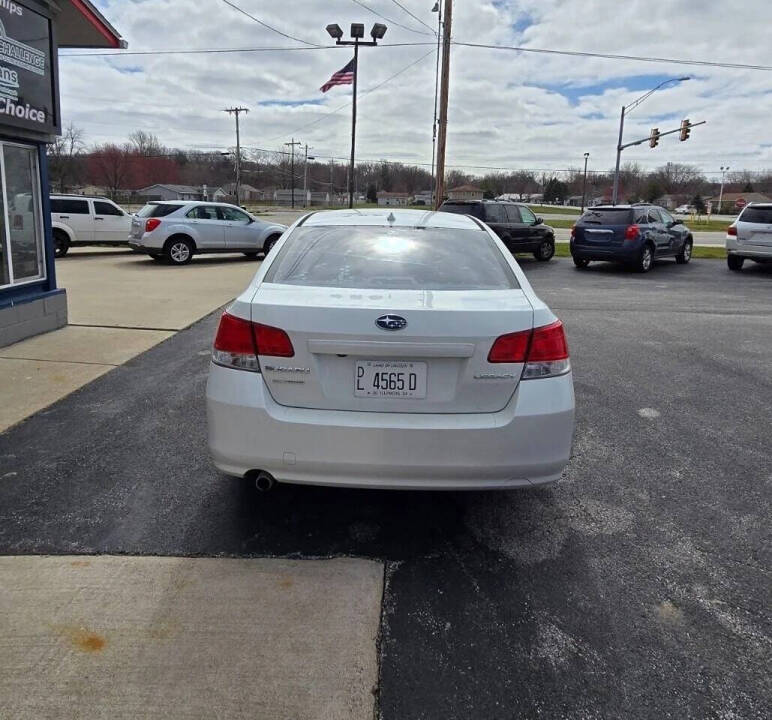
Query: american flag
(344, 76)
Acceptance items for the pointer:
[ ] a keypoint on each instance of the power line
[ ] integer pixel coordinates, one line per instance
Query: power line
(570, 53)
(608, 56)
(206, 51)
(390, 20)
(266, 25)
(415, 17)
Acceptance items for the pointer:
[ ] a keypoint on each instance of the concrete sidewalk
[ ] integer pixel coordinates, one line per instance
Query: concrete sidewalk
(120, 304)
(150, 637)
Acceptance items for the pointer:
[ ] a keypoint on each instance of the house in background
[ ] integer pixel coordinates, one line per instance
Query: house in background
(247, 193)
(730, 204)
(424, 197)
(465, 192)
(393, 199)
(171, 192)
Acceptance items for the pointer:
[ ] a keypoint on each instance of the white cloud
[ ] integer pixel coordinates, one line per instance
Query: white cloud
(500, 113)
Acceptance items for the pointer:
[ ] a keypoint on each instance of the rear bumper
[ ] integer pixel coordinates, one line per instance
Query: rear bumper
(527, 443)
(744, 249)
(146, 243)
(618, 253)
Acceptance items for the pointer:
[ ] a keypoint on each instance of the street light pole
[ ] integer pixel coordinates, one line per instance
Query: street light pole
(584, 184)
(626, 110)
(357, 32)
(721, 193)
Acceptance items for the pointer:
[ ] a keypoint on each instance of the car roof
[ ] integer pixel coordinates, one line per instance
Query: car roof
(183, 203)
(73, 196)
(484, 200)
(380, 217)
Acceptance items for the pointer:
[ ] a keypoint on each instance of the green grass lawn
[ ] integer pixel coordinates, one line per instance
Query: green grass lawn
(707, 226)
(554, 209)
(698, 253)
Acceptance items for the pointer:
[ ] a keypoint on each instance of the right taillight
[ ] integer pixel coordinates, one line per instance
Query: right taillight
(152, 224)
(731, 230)
(543, 351)
(632, 232)
(239, 342)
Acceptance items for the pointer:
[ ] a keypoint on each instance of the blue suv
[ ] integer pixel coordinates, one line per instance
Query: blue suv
(630, 234)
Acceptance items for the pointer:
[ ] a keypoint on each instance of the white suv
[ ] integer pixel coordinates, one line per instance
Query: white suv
(750, 236)
(174, 231)
(77, 220)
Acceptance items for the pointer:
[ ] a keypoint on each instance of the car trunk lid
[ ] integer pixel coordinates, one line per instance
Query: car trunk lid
(442, 349)
(603, 227)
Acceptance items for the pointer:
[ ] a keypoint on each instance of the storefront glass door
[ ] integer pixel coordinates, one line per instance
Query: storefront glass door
(21, 256)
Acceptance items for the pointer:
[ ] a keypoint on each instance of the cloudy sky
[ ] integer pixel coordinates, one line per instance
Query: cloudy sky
(508, 109)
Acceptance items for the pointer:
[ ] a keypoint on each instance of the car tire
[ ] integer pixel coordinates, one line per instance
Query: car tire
(546, 250)
(61, 243)
(250, 255)
(179, 251)
(735, 262)
(645, 259)
(581, 263)
(686, 252)
(269, 243)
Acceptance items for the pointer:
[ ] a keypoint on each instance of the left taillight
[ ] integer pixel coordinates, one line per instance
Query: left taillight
(543, 351)
(234, 344)
(238, 342)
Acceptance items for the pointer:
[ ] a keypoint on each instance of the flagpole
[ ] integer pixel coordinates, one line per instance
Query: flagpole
(353, 125)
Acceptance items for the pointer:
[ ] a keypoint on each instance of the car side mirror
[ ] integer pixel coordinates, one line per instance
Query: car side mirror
(674, 222)
(539, 221)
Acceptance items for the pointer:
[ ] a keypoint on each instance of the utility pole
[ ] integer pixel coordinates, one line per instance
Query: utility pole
(292, 167)
(332, 186)
(438, 9)
(305, 178)
(721, 194)
(235, 111)
(444, 89)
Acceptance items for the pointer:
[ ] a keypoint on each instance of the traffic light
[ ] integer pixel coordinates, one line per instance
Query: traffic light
(654, 137)
(685, 129)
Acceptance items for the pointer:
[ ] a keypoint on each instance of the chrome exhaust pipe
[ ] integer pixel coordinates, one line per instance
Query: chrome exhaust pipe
(264, 481)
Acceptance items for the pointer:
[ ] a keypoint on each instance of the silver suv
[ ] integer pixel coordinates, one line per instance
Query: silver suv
(750, 236)
(175, 231)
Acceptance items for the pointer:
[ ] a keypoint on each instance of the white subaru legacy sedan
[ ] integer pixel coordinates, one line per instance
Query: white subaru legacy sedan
(390, 349)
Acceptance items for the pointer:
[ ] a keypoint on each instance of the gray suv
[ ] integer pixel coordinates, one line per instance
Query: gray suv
(174, 231)
(750, 236)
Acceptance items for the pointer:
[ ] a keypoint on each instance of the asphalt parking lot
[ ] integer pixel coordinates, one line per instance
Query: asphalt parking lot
(637, 587)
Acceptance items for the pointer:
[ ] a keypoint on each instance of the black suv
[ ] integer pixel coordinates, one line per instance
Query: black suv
(519, 229)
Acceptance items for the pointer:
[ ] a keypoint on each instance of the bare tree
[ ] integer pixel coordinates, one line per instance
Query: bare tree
(64, 157)
(145, 143)
(111, 166)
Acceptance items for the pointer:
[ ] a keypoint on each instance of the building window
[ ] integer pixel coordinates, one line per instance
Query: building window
(21, 218)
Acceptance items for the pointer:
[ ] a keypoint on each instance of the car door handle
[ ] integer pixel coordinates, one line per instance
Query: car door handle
(64, 217)
(96, 218)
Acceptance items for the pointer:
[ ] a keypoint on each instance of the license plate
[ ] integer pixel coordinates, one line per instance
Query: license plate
(390, 379)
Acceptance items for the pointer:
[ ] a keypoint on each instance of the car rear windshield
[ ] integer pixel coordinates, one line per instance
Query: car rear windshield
(754, 214)
(391, 259)
(607, 216)
(157, 210)
(473, 209)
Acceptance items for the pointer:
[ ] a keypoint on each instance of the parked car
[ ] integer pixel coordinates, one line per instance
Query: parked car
(684, 210)
(391, 349)
(175, 231)
(750, 236)
(77, 220)
(519, 229)
(630, 234)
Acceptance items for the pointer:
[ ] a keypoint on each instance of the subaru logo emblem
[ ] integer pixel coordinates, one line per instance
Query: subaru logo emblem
(391, 322)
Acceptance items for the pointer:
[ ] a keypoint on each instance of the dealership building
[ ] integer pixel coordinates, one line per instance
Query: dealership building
(31, 33)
